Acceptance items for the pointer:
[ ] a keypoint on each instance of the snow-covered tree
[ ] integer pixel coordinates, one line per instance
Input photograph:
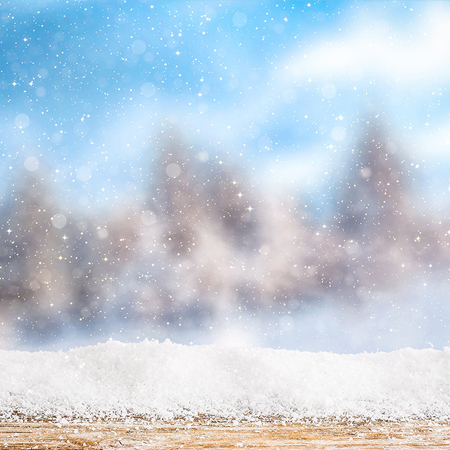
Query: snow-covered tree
(384, 234)
(35, 268)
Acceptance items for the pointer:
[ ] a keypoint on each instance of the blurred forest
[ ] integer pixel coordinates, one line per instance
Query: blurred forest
(206, 240)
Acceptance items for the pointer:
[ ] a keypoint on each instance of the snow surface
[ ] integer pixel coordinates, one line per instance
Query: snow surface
(167, 381)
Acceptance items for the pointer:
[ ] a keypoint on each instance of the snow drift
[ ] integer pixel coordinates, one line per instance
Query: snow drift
(168, 381)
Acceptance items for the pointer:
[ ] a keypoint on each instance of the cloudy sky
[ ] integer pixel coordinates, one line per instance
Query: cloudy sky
(279, 87)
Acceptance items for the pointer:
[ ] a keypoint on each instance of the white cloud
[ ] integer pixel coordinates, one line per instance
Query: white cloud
(418, 52)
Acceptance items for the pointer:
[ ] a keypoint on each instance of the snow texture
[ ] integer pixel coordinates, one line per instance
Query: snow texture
(169, 381)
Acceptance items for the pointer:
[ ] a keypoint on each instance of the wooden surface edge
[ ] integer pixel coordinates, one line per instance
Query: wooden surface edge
(140, 434)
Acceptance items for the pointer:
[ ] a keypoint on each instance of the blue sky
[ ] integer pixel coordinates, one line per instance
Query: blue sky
(278, 86)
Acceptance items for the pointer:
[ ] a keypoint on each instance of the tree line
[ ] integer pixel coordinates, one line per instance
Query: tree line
(204, 239)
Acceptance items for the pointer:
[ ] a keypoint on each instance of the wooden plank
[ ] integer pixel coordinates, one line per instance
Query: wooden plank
(143, 435)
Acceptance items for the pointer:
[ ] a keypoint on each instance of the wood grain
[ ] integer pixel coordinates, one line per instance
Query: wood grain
(143, 435)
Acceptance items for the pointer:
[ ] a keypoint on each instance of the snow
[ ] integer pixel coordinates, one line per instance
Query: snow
(169, 381)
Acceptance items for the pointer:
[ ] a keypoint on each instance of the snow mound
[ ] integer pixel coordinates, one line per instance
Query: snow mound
(168, 381)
